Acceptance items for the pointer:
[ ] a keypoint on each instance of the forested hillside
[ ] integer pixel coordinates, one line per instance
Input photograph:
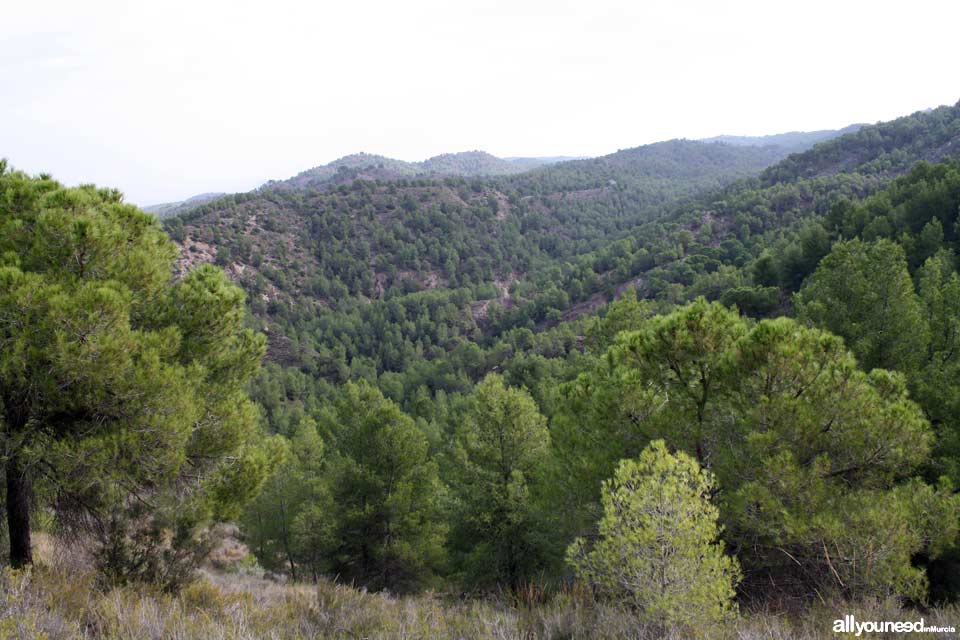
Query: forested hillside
(371, 166)
(751, 244)
(792, 142)
(472, 259)
(480, 247)
(466, 381)
(546, 390)
(168, 209)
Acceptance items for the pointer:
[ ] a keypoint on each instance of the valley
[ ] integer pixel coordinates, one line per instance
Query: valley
(429, 395)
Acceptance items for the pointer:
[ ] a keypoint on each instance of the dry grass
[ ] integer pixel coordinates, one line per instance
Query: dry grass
(60, 599)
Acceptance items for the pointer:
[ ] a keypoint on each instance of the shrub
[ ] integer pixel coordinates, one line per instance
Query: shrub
(658, 548)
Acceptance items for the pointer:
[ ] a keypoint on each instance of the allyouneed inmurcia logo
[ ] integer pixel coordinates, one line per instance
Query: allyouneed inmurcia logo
(849, 624)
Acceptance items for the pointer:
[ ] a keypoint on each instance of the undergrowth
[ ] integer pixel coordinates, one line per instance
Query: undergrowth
(61, 599)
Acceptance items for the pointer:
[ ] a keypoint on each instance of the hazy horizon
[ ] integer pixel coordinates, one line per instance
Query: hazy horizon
(168, 101)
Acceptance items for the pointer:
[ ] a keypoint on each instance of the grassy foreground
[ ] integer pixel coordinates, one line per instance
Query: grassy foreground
(60, 599)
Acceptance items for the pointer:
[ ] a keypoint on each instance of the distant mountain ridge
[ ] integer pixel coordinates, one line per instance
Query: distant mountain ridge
(532, 162)
(486, 255)
(377, 167)
(482, 164)
(885, 149)
(168, 209)
(368, 227)
(477, 164)
(792, 141)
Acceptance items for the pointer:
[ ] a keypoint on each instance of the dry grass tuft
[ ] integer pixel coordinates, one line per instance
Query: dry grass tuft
(60, 600)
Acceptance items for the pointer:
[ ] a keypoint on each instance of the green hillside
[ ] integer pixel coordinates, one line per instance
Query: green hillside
(482, 246)
(329, 268)
(169, 209)
(366, 166)
(793, 142)
(720, 361)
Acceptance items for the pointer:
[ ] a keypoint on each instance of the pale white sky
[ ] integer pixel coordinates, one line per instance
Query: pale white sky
(168, 99)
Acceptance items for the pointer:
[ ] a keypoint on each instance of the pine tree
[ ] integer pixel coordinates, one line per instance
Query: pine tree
(271, 520)
(387, 493)
(626, 313)
(806, 447)
(863, 292)
(501, 446)
(121, 390)
(657, 549)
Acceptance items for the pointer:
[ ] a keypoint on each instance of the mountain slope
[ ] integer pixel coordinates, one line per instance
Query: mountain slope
(366, 166)
(703, 162)
(534, 162)
(778, 212)
(792, 142)
(481, 245)
(470, 163)
(512, 223)
(384, 275)
(169, 209)
(884, 149)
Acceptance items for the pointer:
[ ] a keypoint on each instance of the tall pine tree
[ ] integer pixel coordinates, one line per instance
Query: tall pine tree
(122, 403)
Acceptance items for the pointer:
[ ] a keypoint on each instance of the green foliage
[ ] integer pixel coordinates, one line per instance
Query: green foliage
(362, 501)
(371, 268)
(863, 292)
(803, 444)
(823, 458)
(657, 548)
(281, 524)
(937, 386)
(122, 392)
(500, 448)
(752, 301)
(386, 494)
(623, 314)
(389, 294)
(886, 148)
(312, 255)
(681, 357)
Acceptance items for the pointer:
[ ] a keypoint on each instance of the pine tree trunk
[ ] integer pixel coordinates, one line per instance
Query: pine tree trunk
(18, 513)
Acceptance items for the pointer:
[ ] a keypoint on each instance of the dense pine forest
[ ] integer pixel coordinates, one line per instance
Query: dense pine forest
(689, 389)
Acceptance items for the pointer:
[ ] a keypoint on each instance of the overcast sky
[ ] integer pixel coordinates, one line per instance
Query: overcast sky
(168, 99)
